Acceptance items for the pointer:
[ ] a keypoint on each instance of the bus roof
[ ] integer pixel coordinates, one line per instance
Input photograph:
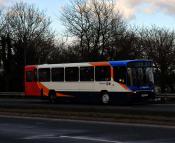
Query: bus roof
(112, 63)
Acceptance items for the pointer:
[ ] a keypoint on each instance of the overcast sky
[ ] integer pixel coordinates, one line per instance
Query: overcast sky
(136, 12)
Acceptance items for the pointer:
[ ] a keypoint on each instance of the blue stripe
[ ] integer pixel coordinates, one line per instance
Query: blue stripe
(125, 62)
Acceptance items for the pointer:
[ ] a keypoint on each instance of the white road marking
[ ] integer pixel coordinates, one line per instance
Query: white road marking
(52, 136)
(89, 139)
(47, 136)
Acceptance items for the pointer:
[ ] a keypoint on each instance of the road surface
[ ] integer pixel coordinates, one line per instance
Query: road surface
(36, 130)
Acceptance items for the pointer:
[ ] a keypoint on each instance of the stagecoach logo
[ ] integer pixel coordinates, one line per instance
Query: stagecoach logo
(106, 83)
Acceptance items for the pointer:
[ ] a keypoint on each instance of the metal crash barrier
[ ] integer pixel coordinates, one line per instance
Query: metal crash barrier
(11, 93)
(165, 97)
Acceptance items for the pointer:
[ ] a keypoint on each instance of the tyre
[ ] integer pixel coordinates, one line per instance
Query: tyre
(105, 98)
(52, 97)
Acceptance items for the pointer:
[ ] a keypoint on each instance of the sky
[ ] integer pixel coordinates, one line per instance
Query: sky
(136, 12)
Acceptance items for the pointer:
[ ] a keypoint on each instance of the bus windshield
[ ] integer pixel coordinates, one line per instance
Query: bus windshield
(140, 76)
(135, 74)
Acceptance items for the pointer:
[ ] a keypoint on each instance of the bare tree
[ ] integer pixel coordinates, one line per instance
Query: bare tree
(1, 36)
(94, 23)
(159, 45)
(28, 27)
(27, 39)
(127, 45)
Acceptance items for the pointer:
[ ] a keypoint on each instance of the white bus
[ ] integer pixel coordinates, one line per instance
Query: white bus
(98, 81)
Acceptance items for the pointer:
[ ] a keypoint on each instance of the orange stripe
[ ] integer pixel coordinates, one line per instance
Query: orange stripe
(124, 86)
(61, 94)
(99, 63)
(45, 89)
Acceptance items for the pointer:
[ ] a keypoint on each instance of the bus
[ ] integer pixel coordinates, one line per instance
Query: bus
(105, 82)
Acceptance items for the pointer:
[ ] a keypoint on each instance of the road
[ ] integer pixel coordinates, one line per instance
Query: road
(36, 130)
(149, 113)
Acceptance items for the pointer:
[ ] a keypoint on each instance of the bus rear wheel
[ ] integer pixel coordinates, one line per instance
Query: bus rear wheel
(105, 98)
(52, 97)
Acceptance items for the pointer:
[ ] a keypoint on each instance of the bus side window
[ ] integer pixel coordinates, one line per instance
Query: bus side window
(72, 74)
(57, 74)
(86, 73)
(44, 75)
(102, 73)
(120, 74)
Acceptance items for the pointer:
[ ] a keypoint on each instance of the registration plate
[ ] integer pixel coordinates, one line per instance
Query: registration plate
(144, 95)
